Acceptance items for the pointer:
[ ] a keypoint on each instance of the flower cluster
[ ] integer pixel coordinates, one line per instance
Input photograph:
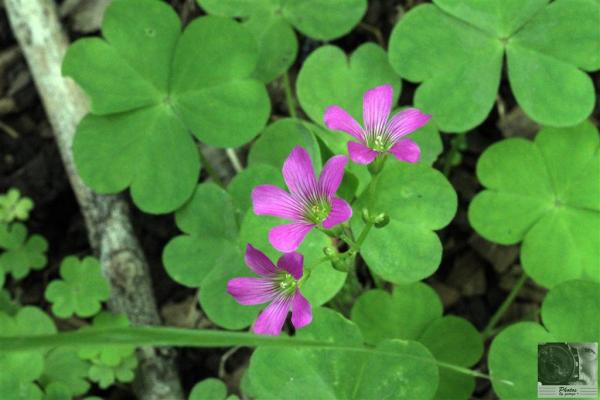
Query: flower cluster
(312, 202)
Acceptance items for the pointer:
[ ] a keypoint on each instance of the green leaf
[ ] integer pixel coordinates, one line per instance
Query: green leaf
(324, 19)
(329, 77)
(148, 89)
(407, 250)
(105, 375)
(105, 146)
(13, 389)
(339, 374)
(208, 254)
(271, 22)
(208, 221)
(414, 312)
(404, 314)
(548, 198)
(108, 355)
(240, 187)
(277, 45)
(57, 391)
(217, 303)
(81, 291)
(547, 46)
(63, 365)
(7, 305)
(570, 312)
(22, 368)
(278, 139)
(14, 207)
(22, 254)
(209, 389)
(454, 340)
(12, 235)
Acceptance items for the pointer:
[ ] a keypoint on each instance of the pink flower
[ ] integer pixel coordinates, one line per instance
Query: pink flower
(380, 134)
(310, 203)
(278, 285)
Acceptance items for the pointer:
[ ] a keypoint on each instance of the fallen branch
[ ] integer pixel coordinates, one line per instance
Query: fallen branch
(39, 33)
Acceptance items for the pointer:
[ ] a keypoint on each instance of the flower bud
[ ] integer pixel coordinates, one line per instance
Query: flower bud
(381, 220)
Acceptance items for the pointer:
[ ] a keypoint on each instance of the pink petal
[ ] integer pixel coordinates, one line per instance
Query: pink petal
(406, 150)
(250, 291)
(286, 238)
(361, 154)
(271, 319)
(340, 212)
(301, 311)
(258, 261)
(271, 200)
(377, 104)
(332, 174)
(407, 121)
(292, 263)
(299, 174)
(338, 119)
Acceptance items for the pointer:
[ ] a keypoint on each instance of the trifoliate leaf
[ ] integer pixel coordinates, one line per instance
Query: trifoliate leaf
(7, 305)
(63, 365)
(209, 389)
(570, 313)
(329, 77)
(21, 254)
(57, 391)
(404, 314)
(456, 341)
(402, 369)
(271, 23)
(81, 291)
(14, 389)
(105, 375)
(418, 199)
(14, 207)
(150, 85)
(278, 139)
(240, 187)
(547, 46)
(547, 197)
(23, 367)
(414, 312)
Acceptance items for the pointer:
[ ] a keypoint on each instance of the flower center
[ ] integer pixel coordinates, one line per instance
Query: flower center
(378, 142)
(318, 211)
(286, 284)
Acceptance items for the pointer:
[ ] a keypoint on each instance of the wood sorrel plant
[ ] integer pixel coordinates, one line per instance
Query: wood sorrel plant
(348, 203)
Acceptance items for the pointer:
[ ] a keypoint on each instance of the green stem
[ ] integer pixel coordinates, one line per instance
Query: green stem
(209, 168)
(375, 31)
(378, 166)
(454, 144)
(180, 337)
(308, 270)
(362, 237)
(235, 161)
(289, 96)
(489, 329)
